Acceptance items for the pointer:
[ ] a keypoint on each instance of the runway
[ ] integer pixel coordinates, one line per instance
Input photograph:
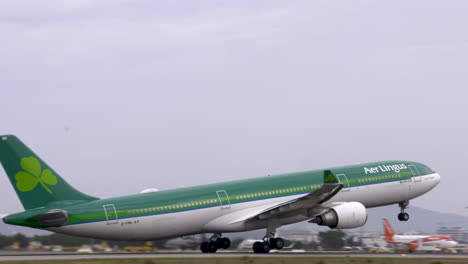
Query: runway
(9, 256)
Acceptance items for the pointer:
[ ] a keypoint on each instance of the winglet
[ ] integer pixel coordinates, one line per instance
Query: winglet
(329, 177)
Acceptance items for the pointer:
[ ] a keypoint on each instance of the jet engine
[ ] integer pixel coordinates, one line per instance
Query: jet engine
(346, 215)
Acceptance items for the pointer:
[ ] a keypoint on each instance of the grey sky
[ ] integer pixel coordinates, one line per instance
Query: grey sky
(120, 96)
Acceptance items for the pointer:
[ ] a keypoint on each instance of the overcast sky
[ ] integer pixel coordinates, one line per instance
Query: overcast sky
(120, 96)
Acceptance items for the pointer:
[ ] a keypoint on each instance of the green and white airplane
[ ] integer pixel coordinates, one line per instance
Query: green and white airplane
(335, 197)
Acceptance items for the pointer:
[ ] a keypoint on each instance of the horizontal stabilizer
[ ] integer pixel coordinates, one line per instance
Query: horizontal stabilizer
(53, 218)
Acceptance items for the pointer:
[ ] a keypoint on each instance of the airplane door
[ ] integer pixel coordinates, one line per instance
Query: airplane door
(415, 172)
(111, 214)
(223, 199)
(343, 180)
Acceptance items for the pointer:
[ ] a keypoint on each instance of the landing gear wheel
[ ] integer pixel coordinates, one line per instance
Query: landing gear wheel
(223, 242)
(261, 247)
(257, 247)
(400, 216)
(276, 243)
(212, 247)
(265, 247)
(204, 247)
(403, 216)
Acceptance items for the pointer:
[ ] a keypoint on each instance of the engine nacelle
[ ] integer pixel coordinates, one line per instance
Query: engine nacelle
(347, 215)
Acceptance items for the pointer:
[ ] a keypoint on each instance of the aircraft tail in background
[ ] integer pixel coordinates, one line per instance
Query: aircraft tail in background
(389, 233)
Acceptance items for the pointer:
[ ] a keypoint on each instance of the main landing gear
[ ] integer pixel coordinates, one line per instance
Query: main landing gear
(269, 242)
(402, 216)
(215, 242)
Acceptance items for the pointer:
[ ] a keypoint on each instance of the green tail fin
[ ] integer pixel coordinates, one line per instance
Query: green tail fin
(329, 177)
(35, 183)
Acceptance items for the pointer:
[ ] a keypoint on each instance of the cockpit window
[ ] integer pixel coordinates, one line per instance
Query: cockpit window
(429, 170)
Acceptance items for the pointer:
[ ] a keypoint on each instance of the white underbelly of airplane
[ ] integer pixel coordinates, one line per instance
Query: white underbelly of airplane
(165, 225)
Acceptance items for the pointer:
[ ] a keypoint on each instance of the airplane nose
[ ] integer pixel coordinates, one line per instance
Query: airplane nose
(436, 179)
(448, 244)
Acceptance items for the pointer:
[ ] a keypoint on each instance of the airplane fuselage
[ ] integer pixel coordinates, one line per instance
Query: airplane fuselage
(424, 242)
(219, 208)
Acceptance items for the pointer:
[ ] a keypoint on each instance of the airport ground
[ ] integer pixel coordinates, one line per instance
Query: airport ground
(232, 258)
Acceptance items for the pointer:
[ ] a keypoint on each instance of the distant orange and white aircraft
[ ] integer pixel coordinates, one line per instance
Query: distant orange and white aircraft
(417, 242)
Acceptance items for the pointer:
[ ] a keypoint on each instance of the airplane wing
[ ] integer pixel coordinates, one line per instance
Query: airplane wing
(310, 201)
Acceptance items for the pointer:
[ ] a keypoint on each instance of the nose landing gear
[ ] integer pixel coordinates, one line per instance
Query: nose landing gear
(402, 216)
